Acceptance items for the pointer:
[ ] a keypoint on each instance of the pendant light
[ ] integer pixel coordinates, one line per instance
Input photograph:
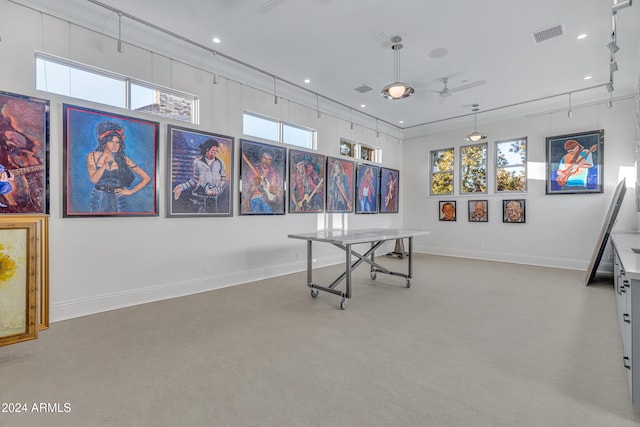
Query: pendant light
(475, 136)
(396, 90)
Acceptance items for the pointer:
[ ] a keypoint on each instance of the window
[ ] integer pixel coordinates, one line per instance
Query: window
(442, 172)
(511, 165)
(275, 130)
(360, 151)
(473, 168)
(56, 75)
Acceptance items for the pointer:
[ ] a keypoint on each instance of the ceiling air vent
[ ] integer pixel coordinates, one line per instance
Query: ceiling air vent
(548, 33)
(363, 89)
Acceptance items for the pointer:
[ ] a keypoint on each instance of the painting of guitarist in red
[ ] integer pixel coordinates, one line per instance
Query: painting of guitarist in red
(24, 134)
(262, 168)
(576, 163)
(306, 182)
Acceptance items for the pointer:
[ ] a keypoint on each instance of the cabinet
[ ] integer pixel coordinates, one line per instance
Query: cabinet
(626, 273)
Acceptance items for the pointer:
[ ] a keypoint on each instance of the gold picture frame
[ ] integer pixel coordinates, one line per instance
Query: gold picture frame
(20, 265)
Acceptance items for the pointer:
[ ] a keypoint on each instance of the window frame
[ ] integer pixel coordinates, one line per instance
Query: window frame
(462, 166)
(523, 165)
(281, 124)
(439, 172)
(126, 81)
(357, 151)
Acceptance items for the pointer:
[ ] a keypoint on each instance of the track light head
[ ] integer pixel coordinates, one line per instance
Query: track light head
(610, 87)
(621, 5)
(613, 66)
(613, 47)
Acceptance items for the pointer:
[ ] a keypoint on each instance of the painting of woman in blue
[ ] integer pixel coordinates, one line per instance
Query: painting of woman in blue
(110, 164)
(111, 171)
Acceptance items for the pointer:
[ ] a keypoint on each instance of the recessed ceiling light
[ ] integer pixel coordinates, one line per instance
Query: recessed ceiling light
(588, 77)
(582, 36)
(401, 121)
(216, 40)
(307, 81)
(362, 105)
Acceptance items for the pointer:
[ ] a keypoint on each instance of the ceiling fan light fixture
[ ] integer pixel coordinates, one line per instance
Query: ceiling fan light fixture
(475, 136)
(397, 90)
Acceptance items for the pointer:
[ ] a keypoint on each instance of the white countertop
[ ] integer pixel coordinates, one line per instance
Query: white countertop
(624, 242)
(348, 237)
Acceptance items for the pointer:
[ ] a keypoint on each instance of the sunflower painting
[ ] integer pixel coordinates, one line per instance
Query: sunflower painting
(18, 254)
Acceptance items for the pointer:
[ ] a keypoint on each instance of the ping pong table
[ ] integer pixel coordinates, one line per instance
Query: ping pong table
(345, 239)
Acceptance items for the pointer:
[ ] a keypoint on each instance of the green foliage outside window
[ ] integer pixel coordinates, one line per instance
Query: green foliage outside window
(473, 162)
(442, 171)
(511, 171)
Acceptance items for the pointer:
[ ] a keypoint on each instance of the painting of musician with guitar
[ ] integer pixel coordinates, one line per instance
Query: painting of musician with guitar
(340, 173)
(24, 141)
(262, 168)
(306, 182)
(575, 163)
(389, 187)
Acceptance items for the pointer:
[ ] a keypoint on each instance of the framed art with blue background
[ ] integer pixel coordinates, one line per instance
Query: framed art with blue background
(367, 188)
(263, 169)
(389, 190)
(574, 163)
(110, 164)
(201, 166)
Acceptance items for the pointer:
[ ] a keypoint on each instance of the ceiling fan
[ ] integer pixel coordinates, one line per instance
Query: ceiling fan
(445, 92)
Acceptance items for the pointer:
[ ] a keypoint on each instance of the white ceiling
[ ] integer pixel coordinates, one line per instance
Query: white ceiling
(343, 44)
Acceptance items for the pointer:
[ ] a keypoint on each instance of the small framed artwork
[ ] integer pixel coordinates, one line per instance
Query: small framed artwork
(24, 154)
(18, 279)
(447, 210)
(389, 190)
(574, 163)
(110, 164)
(200, 166)
(366, 188)
(339, 184)
(262, 172)
(478, 211)
(514, 210)
(306, 182)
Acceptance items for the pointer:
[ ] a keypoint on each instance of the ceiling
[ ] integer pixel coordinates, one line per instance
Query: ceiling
(342, 45)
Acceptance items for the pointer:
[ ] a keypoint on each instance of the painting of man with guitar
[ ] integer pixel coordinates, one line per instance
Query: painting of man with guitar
(262, 168)
(23, 152)
(575, 163)
(306, 182)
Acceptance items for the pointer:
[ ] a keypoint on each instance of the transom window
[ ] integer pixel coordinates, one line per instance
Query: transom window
(68, 78)
(279, 131)
(360, 151)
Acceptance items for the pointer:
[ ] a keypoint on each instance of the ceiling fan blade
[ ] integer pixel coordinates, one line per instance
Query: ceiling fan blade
(468, 86)
(268, 5)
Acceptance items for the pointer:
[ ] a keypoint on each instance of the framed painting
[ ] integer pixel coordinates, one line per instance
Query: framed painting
(478, 211)
(447, 210)
(24, 154)
(574, 163)
(110, 164)
(200, 166)
(262, 174)
(514, 211)
(306, 182)
(340, 179)
(367, 188)
(18, 279)
(389, 190)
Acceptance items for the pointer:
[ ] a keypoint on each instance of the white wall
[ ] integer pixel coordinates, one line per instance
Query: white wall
(98, 264)
(561, 229)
